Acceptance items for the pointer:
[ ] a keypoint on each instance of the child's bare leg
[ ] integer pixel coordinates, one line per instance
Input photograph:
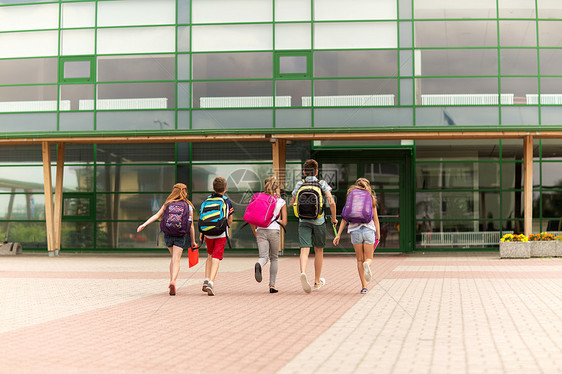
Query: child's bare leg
(360, 259)
(215, 262)
(208, 267)
(368, 252)
(176, 258)
(318, 260)
(304, 258)
(171, 262)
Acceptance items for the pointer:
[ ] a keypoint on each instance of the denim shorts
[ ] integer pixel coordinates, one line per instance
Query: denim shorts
(363, 235)
(178, 241)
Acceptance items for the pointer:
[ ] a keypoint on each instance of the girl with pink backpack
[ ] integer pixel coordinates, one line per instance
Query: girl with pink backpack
(267, 214)
(360, 211)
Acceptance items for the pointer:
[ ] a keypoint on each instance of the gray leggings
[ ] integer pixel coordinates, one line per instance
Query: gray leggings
(268, 246)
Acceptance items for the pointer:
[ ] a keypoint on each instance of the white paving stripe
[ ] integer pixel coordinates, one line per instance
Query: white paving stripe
(50, 299)
(443, 326)
(491, 268)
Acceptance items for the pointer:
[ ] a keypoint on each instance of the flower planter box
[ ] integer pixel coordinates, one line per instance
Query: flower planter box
(558, 248)
(543, 248)
(515, 250)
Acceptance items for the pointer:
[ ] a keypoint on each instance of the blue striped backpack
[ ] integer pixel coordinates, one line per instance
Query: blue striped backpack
(213, 217)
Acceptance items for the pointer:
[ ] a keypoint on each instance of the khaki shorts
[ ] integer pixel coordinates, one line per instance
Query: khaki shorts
(311, 235)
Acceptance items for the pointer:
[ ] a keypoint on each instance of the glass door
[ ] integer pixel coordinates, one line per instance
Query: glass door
(390, 174)
(78, 211)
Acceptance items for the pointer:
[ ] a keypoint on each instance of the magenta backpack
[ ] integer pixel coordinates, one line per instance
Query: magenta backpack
(259, 211)
(175, 220)
(358, 207)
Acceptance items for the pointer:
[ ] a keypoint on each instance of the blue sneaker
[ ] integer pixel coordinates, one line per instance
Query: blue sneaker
(364, 290)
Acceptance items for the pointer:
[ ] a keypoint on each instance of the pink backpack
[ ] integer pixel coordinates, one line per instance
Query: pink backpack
(259, 211)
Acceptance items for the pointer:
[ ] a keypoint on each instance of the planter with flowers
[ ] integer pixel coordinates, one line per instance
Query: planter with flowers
(542, 245)
(558, 240)
(514, 246)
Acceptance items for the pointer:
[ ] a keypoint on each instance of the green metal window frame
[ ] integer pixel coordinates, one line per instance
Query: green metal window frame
(82, 80)
(277, 64)
(90, 196)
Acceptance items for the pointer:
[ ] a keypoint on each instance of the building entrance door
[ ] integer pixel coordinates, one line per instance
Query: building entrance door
(391, 176)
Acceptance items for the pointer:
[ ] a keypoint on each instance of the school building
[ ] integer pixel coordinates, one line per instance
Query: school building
(452, 109)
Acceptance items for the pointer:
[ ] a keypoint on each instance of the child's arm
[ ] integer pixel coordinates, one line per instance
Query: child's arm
(230, 213)
(192, 234)
(332, 203)
(283, 217)
(376, 221)
(254, 230)
(340, 231)
(151, 219)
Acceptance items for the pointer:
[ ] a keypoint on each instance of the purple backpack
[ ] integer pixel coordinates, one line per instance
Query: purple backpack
(175, 220)
(358, 207)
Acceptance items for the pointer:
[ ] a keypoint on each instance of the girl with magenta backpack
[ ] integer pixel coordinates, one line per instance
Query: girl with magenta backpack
(267, 214)
(177, 226)
(360, 211)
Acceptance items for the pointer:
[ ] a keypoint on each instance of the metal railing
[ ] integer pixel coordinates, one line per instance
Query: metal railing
(33, 106)
(464, 239)
(545, 98)
(466, 99)
(350, 100)
(244, 102)
(118, 104)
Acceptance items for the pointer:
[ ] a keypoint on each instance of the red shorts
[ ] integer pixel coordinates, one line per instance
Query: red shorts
(215, 247)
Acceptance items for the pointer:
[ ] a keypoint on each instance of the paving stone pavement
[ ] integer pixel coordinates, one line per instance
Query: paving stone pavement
(424, 313)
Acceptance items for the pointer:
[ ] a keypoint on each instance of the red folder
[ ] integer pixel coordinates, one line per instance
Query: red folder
(193, 254)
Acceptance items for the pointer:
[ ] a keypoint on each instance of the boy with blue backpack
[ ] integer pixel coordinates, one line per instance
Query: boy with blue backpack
(308, 199)
(360, 211)
(214, 219)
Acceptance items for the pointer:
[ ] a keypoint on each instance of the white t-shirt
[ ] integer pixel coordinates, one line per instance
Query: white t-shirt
(356, 226)
(274, 225)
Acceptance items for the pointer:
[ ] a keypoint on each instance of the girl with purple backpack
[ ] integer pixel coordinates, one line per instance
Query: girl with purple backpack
(268, 233)
(177, 226)
(360, 212)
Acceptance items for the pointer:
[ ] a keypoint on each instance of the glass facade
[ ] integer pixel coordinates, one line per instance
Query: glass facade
(255, 66)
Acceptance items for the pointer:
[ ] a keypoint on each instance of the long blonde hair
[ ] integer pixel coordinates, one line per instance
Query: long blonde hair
(364, 184)
(179, 193)
(271, 186)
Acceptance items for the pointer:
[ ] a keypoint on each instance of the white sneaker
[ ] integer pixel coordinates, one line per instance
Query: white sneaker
(208, 287)
(368, 273)
(305, 284)
(322, 283)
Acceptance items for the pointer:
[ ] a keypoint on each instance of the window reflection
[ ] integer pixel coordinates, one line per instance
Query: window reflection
(247, 65)
(136, 68)
(28, 71)
(355, 63)
(455, 33)
(454, 9)
(458, 62)
(518, 33)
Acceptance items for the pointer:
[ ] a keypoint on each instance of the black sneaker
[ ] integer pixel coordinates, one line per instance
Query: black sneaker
(257, 272)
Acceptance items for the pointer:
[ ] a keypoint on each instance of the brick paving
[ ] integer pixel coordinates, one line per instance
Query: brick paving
(442, 313)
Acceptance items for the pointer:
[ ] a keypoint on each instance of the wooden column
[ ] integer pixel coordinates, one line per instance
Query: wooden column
(279, 170)
(58, 197)
(48, 188)
(528, 183)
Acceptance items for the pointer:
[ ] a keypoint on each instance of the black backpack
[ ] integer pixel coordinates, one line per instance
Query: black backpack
(309, 201)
